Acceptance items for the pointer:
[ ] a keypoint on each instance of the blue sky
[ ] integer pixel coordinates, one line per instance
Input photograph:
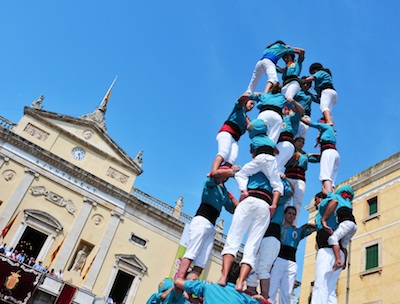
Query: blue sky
(182, 64)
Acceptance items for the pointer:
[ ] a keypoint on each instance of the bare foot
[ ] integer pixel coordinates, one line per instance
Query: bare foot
(239, 286)
(338, 265)
(222, 281)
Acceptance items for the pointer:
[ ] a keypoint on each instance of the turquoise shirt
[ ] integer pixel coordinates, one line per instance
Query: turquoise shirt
(216, 294)
(305, 99)
(276, 52)
(280, 208)
(269, 99)
(216, 196)
(293, 69)
(322, 78)
(259, 181)
(291, 236)
(299, 159)
(171, 298)
(343, 202)
(331, 221)
(327, 132)
(238, 117)
(260, 141)
(290, 123)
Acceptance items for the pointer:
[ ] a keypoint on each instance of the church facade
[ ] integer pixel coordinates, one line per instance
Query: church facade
(68, 199)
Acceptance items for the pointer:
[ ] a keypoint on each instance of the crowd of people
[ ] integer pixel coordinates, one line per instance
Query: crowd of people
(272, 186)
(22, 257)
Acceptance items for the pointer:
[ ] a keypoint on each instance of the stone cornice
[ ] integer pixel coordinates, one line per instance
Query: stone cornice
(374, 173)
(72, 170)
(40, 115)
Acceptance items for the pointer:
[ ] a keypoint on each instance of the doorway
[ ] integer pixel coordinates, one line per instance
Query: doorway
(31, 242)
(121, 286)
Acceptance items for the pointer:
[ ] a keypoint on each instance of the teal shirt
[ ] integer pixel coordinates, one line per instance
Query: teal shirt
(238, 117)
(331, 221)
(216, 196)
(216, 294)
(291, 236)
(280, 208)
(290, 123)
(276, 52)
(322, 78)
(259, 181)
(260, 141)
(328, 134)
(305, 99)
(293, 69)
(269, 99)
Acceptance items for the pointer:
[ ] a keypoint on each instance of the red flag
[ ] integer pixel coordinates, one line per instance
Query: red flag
(8, 226)
(55, 252)
(87, 269)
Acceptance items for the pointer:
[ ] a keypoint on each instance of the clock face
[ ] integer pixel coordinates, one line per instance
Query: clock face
(78, 153)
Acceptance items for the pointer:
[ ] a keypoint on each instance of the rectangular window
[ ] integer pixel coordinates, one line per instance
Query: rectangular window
(372, 206)
(372, 257)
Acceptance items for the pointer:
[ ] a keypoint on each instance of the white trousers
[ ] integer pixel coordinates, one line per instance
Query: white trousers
(328, 100)
(251, 216)
(262, 66)
(324, 291)
(344, 232)
(274, 124)
(201, 241)
(286, 151)
(283, 276)
(266, 164)
(267, 254)
(228, 147)
(291, 89)
(329, 165)
(297, 198)
(303, 129)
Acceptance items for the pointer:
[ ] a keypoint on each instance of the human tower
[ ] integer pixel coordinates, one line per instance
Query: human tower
(272, 186)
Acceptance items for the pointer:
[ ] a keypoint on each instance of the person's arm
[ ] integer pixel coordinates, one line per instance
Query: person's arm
(298, 50)
(255, 96)
(328, 212)
(291, 186)
(309, 79)
(234, 201)
(307, 121)
(307, 229)
(225, 172)
(280, 69)
(165, 294)
(297, 106)
(275, 200)
(179, 283)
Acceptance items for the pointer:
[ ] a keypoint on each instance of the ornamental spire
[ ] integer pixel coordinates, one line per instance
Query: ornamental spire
(98, 115)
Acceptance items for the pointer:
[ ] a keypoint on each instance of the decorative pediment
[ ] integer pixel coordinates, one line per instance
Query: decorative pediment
(85, 132)
(131, 262)
(44, 217)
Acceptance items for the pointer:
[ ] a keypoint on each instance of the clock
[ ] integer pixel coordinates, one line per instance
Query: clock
(78, 153)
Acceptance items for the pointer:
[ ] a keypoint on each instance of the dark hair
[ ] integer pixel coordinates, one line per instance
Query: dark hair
(320, 195)
(316, 66)
(276, 88)
(276, 42)
(290, 207)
